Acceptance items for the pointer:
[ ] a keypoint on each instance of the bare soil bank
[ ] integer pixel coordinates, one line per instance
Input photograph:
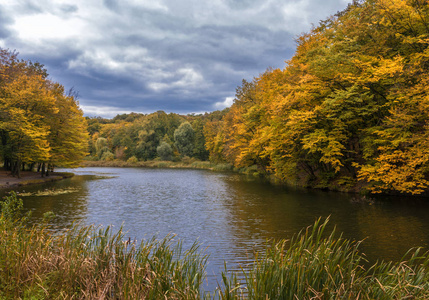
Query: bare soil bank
(27, 178)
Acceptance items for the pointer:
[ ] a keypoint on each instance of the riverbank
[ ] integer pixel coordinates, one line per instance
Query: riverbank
(29, 178)
(189, 164)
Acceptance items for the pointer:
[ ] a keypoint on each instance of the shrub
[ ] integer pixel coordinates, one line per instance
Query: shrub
(201, 165)
(188, 160)
(107, 156)
(132, 159)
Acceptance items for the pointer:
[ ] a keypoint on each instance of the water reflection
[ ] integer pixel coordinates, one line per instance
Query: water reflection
(68, 207)
(227, 213)
(393, 228)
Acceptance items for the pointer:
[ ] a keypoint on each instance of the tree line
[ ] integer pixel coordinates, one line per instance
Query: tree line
(40, 124)
(140, 137)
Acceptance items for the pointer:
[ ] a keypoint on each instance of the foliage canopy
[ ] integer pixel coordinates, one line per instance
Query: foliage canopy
(350, 109)
(39, 122)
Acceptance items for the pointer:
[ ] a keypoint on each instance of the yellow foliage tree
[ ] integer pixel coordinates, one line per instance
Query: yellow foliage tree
(38, 123)
(349, 109)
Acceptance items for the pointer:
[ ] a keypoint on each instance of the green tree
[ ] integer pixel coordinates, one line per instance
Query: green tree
(200, 150)
(165, 151)
(184, 139)
(101, 146)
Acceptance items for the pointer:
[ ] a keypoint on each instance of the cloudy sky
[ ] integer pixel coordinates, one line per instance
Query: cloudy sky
(183, 56)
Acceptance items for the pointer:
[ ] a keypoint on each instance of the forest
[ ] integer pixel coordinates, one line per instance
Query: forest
(40, 124)
(140, 137)
(348, 112)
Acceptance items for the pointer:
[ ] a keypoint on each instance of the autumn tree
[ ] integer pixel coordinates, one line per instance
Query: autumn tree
(35, 114)
(68, 130)
(349, 109)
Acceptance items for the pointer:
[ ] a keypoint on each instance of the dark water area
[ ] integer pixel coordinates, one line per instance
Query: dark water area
(230, 214)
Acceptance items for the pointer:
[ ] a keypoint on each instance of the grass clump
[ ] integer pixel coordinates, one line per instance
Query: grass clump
(201, 165)
(86, 262)
(223, 167)
(315, 266)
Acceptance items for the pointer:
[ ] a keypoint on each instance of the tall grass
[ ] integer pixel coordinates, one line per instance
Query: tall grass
(86, 262)
(316, 265)
(93, 263)
(223, 167)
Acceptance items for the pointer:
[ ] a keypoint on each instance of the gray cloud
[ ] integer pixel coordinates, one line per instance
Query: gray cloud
(5, 21)
(178, 56)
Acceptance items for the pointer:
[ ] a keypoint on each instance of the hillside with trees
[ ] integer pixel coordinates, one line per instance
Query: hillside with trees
(349, 110)
(40, 124)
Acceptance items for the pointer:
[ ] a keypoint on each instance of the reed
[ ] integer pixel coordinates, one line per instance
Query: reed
(317, 265)
(223, 167)
(86, 262)
(201, 165)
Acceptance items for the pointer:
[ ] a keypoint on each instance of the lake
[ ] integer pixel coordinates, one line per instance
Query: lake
(230, 214)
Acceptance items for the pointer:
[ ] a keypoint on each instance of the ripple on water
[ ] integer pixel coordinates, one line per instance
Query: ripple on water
(228, 214)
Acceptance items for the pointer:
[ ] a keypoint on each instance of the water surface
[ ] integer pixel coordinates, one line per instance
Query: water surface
(230, 214)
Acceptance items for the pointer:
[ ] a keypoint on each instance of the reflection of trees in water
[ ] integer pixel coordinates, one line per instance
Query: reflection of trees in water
(392, 231)
(260, 211)
(67, 206)
(267, 211)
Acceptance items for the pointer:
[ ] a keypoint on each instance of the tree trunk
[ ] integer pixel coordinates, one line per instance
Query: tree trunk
(7, 165)
(16, 168)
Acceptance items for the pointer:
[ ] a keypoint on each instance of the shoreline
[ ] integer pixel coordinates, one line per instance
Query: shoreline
(359, 189)
(29, 178)
(193, 164)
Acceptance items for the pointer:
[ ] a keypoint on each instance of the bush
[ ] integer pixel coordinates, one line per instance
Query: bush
(108, 156)
(188, 160)
(11, 208)
(201, 165)
(132, 159)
